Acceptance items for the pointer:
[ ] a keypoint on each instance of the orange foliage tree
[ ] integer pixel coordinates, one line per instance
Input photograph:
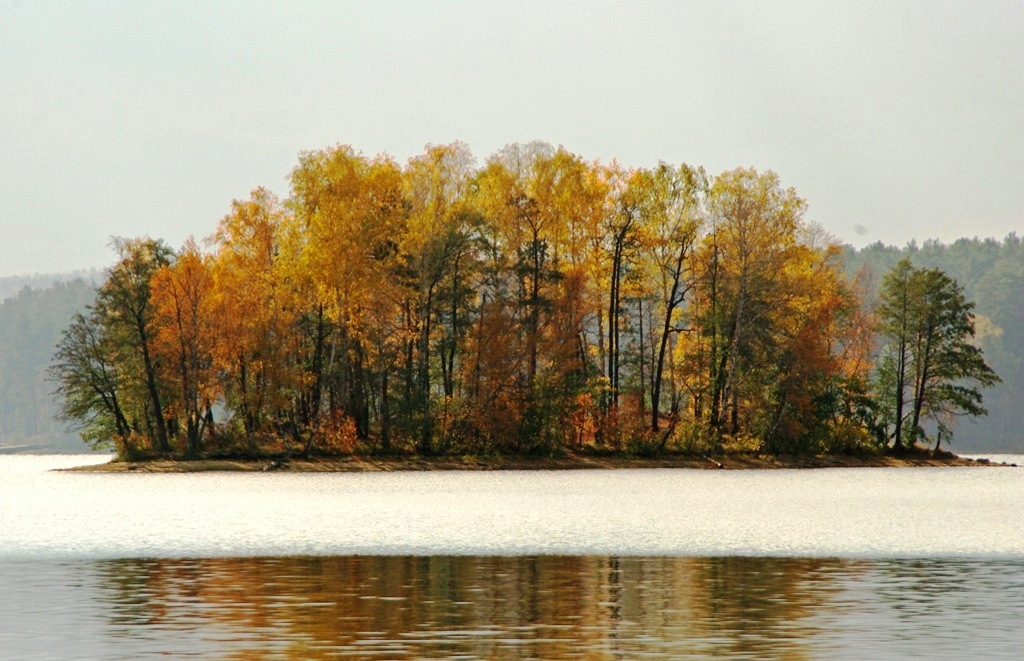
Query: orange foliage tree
(537, 304)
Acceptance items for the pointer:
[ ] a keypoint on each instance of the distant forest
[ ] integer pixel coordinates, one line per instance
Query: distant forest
(33, 312)
(536, 305)
(12, 285)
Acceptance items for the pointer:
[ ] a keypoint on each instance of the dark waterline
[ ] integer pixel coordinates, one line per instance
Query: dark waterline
(510, 607)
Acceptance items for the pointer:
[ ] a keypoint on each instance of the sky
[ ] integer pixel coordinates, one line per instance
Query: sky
(896, 121)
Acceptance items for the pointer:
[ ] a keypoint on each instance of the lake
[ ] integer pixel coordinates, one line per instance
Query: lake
(830, 563)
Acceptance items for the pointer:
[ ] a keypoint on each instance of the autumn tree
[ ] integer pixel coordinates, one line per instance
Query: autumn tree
(670, 205)
(773, 353)
(107, 368)
(818, 364)
(538, 304)
(183, 316)
(508, 190)
(253, 315)
(350, 211)
(755, 224)
(619, 228)
(518, 277)
(125, 310)
(439, 260)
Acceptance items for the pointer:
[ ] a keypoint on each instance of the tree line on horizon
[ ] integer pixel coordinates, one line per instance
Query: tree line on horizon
(31, 322)
(537, 304)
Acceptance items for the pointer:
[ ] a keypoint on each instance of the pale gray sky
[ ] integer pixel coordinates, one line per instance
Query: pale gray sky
(895, 120)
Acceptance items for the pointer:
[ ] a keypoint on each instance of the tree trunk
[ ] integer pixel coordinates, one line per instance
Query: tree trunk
(162, 445)
(666, 330)
(920, 387)
(901, 373)
(534, 329)
(385, 414)
(643, 358)
(613, 321)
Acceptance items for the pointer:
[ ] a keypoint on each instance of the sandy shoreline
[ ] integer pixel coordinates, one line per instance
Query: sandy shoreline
(364, 464)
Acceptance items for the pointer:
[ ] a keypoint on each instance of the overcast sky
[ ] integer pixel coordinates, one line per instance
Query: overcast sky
(895, 120)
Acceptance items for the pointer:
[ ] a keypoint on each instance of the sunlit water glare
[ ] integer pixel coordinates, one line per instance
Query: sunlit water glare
(858, 512)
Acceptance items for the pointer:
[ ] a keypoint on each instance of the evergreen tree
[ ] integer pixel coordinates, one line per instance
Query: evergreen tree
(930, 370)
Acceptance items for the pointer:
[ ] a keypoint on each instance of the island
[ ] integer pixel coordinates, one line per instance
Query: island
(364, 464)
(540, 310)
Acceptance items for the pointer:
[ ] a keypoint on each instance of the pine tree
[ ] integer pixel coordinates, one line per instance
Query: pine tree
(930, 370)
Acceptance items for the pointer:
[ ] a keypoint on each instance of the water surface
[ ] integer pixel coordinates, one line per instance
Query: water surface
(832, 563)
(511, 607)
(851, 513)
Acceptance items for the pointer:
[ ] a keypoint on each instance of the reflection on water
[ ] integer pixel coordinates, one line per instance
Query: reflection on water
(511, 607)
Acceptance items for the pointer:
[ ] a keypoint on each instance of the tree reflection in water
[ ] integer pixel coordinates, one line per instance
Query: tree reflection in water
(492, 607)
